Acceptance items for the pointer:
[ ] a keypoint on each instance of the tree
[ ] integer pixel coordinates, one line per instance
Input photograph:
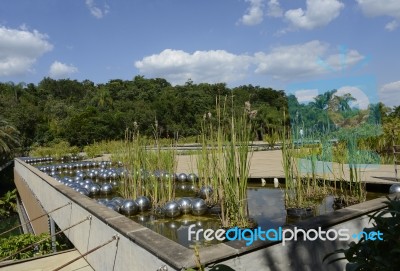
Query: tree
(8, 136)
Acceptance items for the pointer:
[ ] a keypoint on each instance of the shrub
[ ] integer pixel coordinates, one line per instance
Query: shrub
(369, 255)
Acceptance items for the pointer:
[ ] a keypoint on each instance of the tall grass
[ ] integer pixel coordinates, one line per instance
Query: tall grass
(303, 189)
(149, 171)
(224, 161)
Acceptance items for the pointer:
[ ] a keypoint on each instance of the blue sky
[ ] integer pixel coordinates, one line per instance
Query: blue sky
(270, 43)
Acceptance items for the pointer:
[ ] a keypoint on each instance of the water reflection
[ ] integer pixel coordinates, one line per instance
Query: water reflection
(177, 229)
(266, 207)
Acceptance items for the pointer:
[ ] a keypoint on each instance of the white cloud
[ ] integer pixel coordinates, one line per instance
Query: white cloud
(274, 9)
(96, 11)
(374, 8)
(391, 26)
(318, 13)
(302, 60)
(254, 14)
(20, 49)
(306, 95)
(202, 66)
(389, 94)
(284, 63)
(60, 70)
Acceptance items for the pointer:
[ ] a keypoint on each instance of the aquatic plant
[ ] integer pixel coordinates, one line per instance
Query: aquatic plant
(224, 161)
(150, 170)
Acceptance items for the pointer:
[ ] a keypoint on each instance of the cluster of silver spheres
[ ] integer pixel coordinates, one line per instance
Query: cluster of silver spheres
(71, 167)
(127, 207)
(86, 186)
(172, 209)
(31, 160)
(194, 206)
(92, 178)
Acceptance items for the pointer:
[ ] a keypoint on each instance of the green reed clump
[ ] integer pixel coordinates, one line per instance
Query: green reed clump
(142, 162)
(294, 192)
(223, 162)
(301, 190)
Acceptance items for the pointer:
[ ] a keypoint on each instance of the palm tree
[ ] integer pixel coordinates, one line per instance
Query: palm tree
(9, 136)
(322, 100)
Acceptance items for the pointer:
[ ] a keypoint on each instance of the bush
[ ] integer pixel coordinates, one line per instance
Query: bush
(369, 255)
(10, 245)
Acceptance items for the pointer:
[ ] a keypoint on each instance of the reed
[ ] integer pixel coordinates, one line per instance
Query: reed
(150, 171)
(224, 161)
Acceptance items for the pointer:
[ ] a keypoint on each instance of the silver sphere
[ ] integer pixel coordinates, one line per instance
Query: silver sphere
(172, 209)
(94, 189)
(394, 188)
(192, 177)
(113, 206)
(199, 206)
(143, 203)
(182, 177)
(118, 200)
(106, 188)
(129, 207)
(185, 204)
(205, 192)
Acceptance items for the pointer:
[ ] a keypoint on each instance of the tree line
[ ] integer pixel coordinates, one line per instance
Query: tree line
(83, 112)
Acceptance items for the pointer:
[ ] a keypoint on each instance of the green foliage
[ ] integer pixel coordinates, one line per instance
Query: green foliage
(141, 162)
(82, 113)
(55, 149)
(10, 245)
(8, 203)
(376, 255)
(9, 136)
(225, 166)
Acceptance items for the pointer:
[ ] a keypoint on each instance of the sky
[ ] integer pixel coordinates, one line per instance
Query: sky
(305, 47)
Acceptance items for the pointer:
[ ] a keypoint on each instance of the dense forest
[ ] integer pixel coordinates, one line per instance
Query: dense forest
(82, 112)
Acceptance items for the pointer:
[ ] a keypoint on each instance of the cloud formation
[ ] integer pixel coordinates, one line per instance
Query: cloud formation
(20, 49)
(374, 8)
(302, 60)
(391, 26)
(60, 70)
(96, 11)
(254, 14)
(274, 9)
(283, 63)
(201, 66)
(306, 95)
(317, 13)
(389, 94)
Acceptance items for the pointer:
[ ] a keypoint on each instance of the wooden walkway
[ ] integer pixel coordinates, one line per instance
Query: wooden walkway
(268, 164)
(48, 263)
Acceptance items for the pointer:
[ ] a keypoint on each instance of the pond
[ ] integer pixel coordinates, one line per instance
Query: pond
(266, 204)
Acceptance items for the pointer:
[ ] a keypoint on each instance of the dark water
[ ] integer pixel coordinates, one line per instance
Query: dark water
(266, 206)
